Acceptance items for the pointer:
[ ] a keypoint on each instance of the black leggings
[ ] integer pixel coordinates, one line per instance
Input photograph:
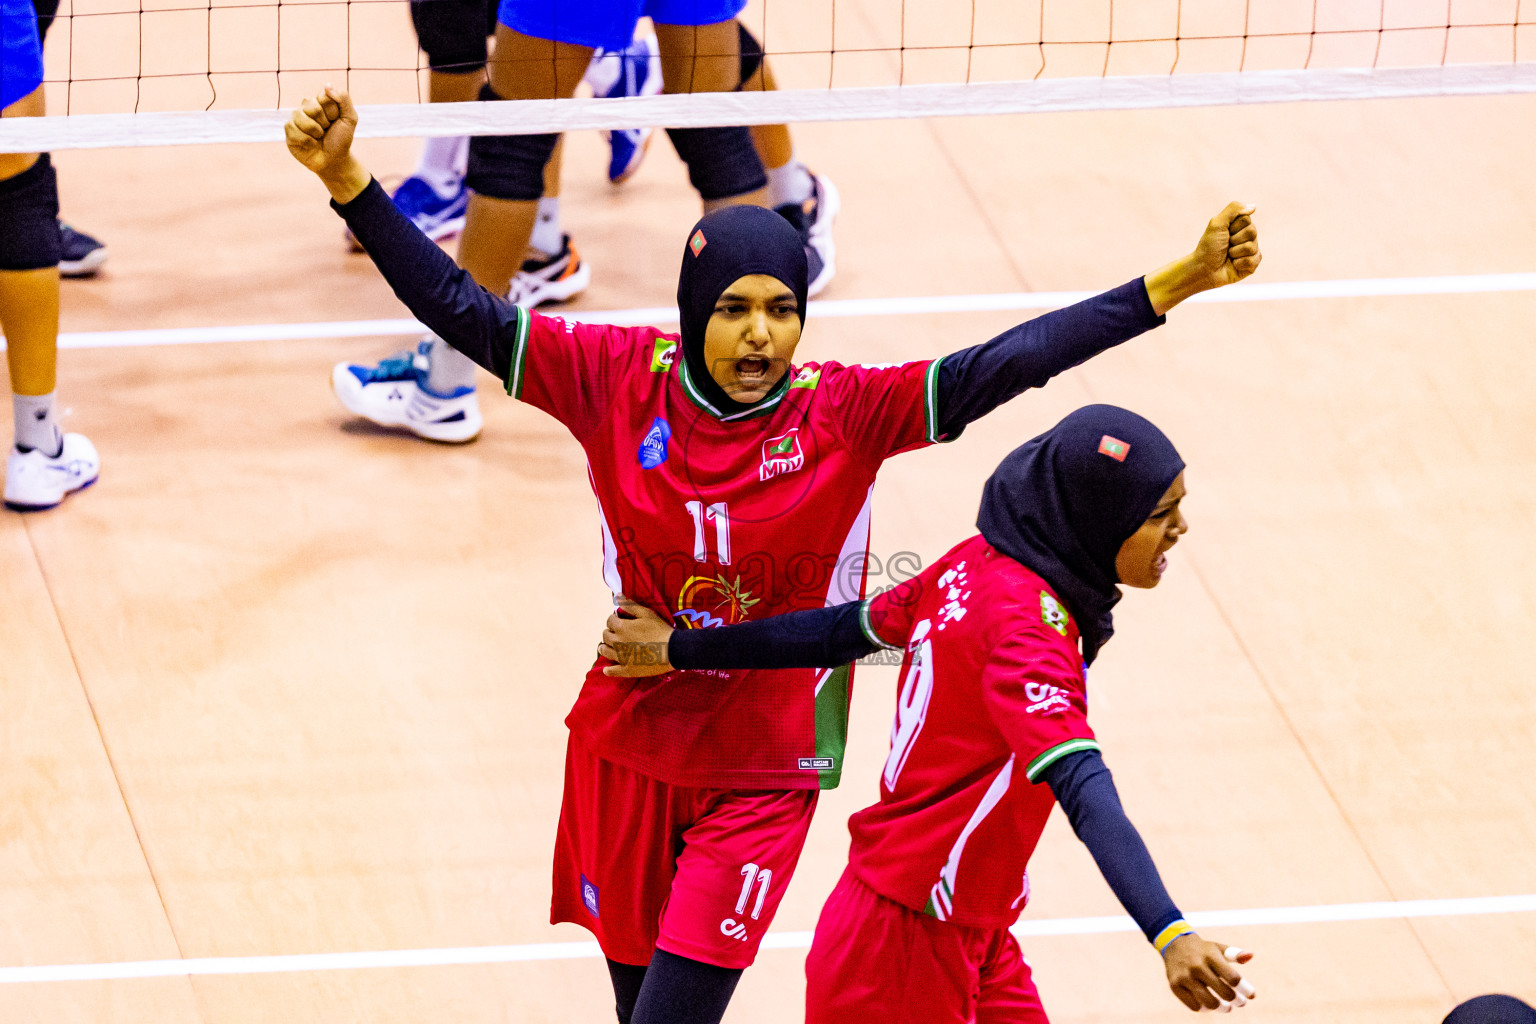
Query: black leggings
(672, 990)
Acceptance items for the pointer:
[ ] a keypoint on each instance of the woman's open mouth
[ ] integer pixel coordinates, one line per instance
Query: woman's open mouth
(752, 370)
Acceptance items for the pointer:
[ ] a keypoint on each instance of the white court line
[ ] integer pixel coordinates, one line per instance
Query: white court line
(1323, 913)
(1452, 284)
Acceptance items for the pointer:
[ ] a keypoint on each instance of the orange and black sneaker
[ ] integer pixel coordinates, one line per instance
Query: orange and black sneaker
(551, 278)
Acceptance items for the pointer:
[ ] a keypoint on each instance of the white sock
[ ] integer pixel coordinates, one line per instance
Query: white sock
(547, 237)
(443, 162)
(35, 424)
(448, 369)
(789, 184)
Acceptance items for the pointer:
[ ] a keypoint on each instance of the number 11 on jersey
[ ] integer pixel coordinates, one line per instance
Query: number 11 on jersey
(718, 515)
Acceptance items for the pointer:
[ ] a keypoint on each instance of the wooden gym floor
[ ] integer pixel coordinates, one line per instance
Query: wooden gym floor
(284, 683)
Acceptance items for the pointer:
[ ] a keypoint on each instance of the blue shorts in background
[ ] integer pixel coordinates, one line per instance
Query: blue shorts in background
(21, 55)
(606, 24)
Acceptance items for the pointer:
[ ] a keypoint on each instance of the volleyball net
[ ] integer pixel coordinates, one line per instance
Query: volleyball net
(175, 72)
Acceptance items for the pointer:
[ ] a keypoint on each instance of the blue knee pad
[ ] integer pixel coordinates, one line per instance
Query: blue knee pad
(508, 166)
(722, 162)
(29, 209)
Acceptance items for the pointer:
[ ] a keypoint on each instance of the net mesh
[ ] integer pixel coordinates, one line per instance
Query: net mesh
(136, 57)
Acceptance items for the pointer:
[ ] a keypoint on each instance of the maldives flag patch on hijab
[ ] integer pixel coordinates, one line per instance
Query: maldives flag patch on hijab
(1114, 448)
(697, 243)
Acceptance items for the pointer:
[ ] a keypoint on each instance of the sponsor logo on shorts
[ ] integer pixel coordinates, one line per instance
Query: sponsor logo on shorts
(781, 454)
(816, 764)
(589, 895)
(733, 929)
(653, 448)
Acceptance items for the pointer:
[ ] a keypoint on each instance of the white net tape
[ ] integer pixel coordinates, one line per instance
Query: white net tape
(95, 131)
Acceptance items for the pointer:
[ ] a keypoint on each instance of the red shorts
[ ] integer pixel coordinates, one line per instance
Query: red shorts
(646, 865)
(875, 960)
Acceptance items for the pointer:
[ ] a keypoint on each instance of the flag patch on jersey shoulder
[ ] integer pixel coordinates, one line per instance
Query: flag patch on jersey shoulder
(1053, 614)
(1114, 448)
(663, 355)
(781, 454)
(697, 242)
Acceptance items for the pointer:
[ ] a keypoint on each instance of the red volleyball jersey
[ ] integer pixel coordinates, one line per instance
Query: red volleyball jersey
(714, 519)
(992, 691)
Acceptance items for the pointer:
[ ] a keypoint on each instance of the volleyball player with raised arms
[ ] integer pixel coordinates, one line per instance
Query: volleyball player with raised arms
(991, 731)
(729, 483)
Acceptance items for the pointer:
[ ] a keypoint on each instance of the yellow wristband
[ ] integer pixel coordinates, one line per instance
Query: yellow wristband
(1165, 937)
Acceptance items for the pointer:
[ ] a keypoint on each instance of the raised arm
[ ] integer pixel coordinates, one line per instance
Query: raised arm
(1200, 973)
(439, 294)
(976, 380)
(641, 643)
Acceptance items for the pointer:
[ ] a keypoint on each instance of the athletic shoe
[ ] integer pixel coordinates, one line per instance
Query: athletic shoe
(632, 71)
(437, 216)
(551, 278)
(34, 481)
(395, 394)
(80, 255)
(813, 219)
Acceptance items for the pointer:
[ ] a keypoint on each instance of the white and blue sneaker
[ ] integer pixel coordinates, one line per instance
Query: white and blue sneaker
(813, 219)
(437, 216)
(632, 71)
(395, 394)
(34, 481)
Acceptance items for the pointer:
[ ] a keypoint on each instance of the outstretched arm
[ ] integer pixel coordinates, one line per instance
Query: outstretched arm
(976, 380)
(437, 292)
(641, 643)
(1200, 973)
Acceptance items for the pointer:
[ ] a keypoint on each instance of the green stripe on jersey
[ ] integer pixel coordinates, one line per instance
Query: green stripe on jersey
(519, 354)
(869, 629)
(931, 399)
(832, 724)
(1056, 753)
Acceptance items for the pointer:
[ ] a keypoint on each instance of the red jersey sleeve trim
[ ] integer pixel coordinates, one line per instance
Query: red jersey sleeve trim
(1056, 753)
(519, 354)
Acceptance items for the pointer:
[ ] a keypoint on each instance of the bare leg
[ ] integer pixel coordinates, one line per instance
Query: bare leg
(496, 231)
(29, 299)
(772, 140)
(445, 87)
(705, 58)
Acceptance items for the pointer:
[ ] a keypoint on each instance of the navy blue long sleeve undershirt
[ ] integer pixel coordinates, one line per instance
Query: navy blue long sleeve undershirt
(971, 382)
(1081, 782)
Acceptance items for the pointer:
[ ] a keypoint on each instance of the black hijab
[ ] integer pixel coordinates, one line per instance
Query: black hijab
(723, 246)
(1492, 1010)
(1063, 503)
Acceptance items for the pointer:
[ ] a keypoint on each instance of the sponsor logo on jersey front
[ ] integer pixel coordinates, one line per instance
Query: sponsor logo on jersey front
(653, 449)
(589, 896)
(781, 455)
(733, 929)
(663, 355)
(708, 601)
(1053, 614)
(1045, 699)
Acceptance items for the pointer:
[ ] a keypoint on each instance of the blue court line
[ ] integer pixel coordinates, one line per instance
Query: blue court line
(1248, 291)
(526, 952)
